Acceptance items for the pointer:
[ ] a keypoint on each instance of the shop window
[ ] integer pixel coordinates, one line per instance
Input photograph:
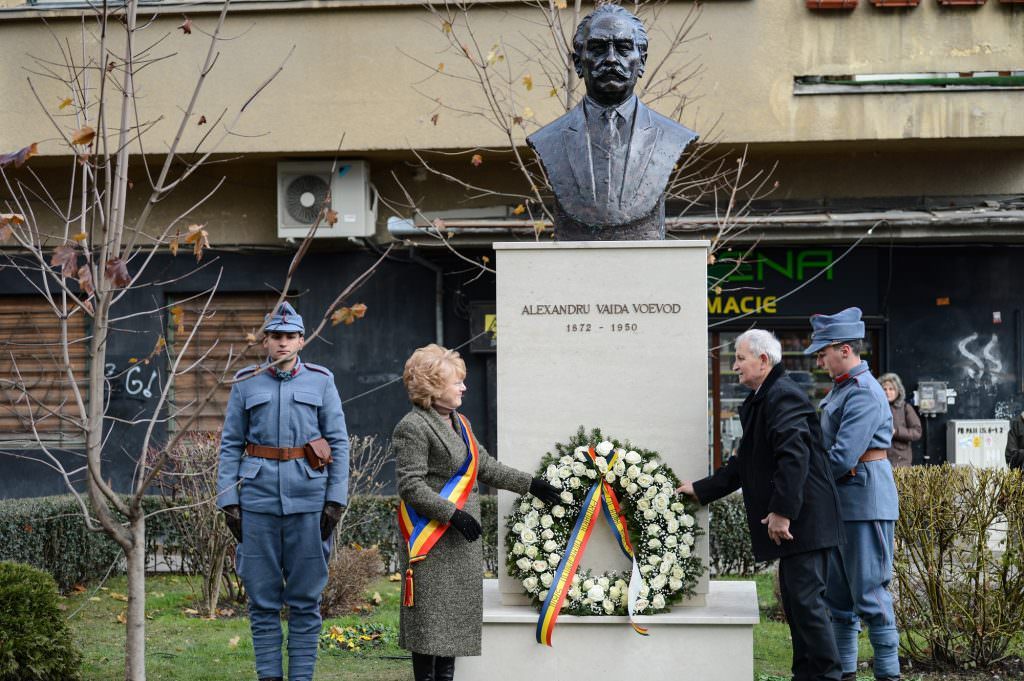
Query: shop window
(230, 318)
(38, 399)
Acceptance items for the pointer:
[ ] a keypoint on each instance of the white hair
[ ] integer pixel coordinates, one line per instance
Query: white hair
(761, 342)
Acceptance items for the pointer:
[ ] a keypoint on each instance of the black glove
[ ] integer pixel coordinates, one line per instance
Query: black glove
(329, 518)
(466, 524)
(545, 491)
(233, 519)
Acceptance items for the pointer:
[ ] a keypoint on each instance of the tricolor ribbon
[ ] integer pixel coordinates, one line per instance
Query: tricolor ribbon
(422, 533)
(600, 497)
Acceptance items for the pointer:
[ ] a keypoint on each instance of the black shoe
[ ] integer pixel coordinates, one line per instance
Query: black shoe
(423, 667)
(444, 669)
(271, 678)
(849, 676)
(889, 678)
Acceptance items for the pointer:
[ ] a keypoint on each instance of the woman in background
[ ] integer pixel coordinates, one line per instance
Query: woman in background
(905, 422)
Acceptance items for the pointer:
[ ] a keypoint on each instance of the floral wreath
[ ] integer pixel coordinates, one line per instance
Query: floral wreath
(661, 529)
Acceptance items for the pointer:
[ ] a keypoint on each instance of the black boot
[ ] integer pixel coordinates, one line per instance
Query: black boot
(271, 678)
(444, 669)
(849, 676)
(423, 667)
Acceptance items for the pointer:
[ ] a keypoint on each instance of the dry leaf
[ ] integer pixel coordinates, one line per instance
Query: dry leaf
(66, 258)
(94, 599)
(519, 210)
(518, 120)
(476, 160)
(528, 81)
(446, 26)
(118, 596)
(199, 238)
(538, 227)
(85, 280)
(250, 338)
(83, 135)
(79, 237)
(527, 112)
(111, 66)
(178, 319)
(485, 259)
(493, 57)
(553, 93)
(718, 290)
(173, 246)
(64, 103)
(161, 343)
(117, 272)
(186, 26)
(561, 4)
(433, 119)
(202, 120)
(348, 315)
(78, 588)
(18, 158)
(440, 67)
(233, 641)
(190, 611)
(122, 617)
(331, 217)
(83, 158)
(711, 258)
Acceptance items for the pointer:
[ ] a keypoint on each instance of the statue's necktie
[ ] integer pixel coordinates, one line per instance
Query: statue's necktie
(614, 157)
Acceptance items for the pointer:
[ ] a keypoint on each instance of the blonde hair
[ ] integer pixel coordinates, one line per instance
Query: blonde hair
(427, 373)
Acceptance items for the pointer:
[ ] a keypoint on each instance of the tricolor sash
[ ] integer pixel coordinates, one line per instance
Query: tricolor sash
(422, 533)
(600, 497)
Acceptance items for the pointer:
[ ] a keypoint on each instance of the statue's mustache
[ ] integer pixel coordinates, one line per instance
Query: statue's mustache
(610, 71)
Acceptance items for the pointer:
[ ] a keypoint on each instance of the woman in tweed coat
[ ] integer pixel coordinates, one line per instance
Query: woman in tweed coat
(445, 620)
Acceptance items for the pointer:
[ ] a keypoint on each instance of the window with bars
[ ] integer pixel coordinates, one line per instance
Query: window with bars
(37, 400)
(230, 318)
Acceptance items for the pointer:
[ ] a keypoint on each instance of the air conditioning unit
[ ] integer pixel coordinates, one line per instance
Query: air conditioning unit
(302, 187)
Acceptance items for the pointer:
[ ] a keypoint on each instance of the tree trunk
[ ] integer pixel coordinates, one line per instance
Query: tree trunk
(213, 580)
(135, 629)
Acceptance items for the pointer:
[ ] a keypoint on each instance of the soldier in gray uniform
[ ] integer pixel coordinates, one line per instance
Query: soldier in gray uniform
(856, 424)
(282, 483)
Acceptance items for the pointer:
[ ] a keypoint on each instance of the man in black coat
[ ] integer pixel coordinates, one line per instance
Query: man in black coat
(791, 500)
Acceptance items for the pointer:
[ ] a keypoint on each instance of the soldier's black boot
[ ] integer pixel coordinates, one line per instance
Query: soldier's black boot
(423, 667)
(444, 669)
(271, 678)
(849, 676)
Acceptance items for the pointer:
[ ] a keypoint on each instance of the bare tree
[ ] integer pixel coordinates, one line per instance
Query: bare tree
(83, 254)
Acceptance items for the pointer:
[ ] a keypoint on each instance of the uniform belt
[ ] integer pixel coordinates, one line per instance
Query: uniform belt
(870, 455)
(278, 453)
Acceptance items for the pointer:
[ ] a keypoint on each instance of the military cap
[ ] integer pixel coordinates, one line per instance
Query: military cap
(285, 320)
(830, 329)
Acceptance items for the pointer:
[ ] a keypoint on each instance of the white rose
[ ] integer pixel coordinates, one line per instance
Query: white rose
(666, 566)
(677, 572)
(646, 569)
(558, 512)
(643, 504)
(641, 604)
(632, 457)
(653, 530)
(530, 583)
(546, 521)
(686, 520)
(645, 481)
(654, 560)
(650, 466)
(660, 479)
(566, 497)
(524, 507)
(551, 472)
(604, 582)
(518, 528)
(575, 594)
(654, 544)
(528, 536)
(588, 584)
(659, 582)
(650, 492)
(669, 558)
(540, 566)
(576, 579)
(587, 601)
(609, 607)
(531, 520)
(531, 552)
(645, 589)
(579, 469)
(631, 488)
(650, 514)
(564, 471)
(677, 507)
(632, 472)
(675, 584)
(523, 563)
(545, 579)
(684, 551)
(601, 463)
(604, 449)
(660, 503)
(554, 559)
(537, 503)
(581, 454)
(671, 541)
(595, 593)
(658, 602)
(543, 595)
(673, 525)
(609, 477)
(688, 539)
(518, 549)
(591, 473)
(556, 483)
(614, 593)
(574, 483)
(547, 534)
(619, 468)
(550, 545)
(565, 461)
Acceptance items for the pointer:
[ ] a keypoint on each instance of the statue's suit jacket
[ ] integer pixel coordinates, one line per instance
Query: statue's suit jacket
(655, 144)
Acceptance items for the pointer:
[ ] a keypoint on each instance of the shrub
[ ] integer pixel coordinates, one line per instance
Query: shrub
(48, 533)
(350, 572)
(35, 644)
(729, 538)
(958, 578)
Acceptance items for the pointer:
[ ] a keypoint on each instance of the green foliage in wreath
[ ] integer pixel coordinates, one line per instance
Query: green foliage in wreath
(662, 528)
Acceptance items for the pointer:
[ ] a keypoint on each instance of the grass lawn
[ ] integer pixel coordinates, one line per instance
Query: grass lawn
(184, 648)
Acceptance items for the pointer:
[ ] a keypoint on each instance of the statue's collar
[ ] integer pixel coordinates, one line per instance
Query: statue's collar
(591, 107)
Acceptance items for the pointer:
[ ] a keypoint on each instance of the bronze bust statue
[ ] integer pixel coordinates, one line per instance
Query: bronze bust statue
(610, 158)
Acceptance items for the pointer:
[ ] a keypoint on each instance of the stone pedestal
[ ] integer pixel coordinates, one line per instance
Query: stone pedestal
(609, 334)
